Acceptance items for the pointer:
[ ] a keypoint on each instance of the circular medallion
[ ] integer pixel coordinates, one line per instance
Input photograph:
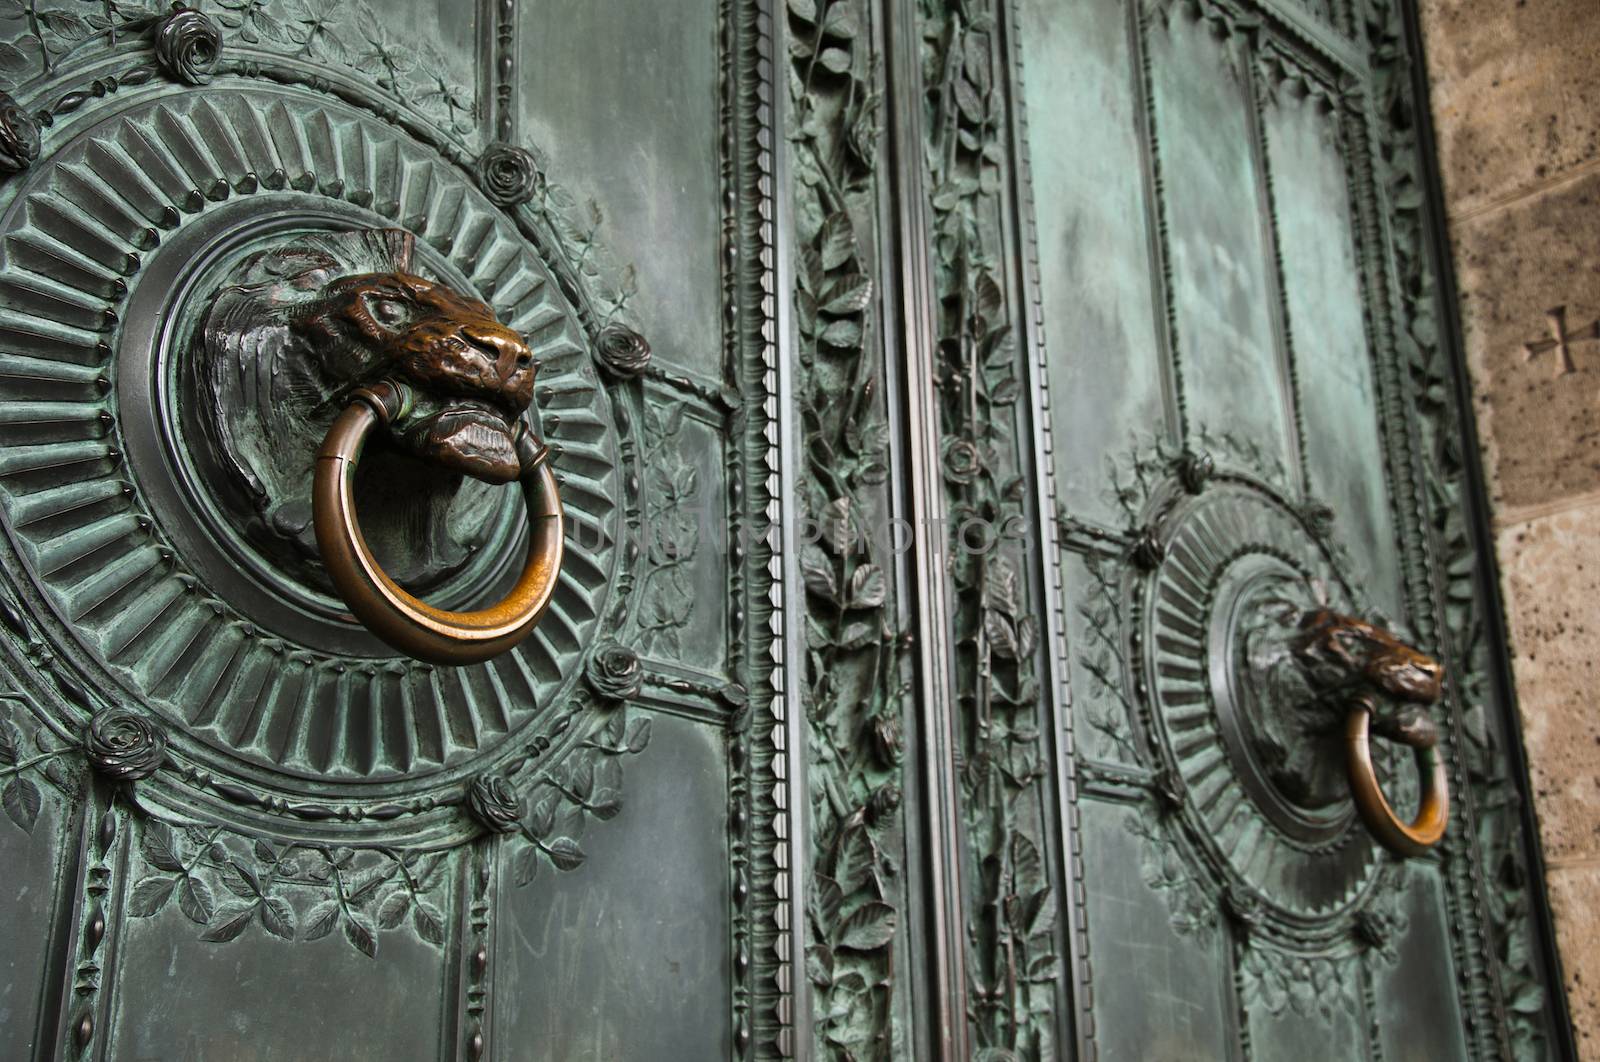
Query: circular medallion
(1255, 753)
(148, 482)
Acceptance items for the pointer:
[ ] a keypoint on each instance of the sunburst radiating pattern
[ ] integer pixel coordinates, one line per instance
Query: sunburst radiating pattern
(76, 238)
(1235, 526)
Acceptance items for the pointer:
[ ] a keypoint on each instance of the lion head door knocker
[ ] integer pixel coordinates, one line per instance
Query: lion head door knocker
(1383, 685)
(1322, 683)
(340, 322)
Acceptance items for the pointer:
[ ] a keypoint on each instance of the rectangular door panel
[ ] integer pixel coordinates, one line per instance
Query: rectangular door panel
(202, 976)
(35, 840)
(1234, 865)
(1296, 1008)
(1221, 292)
(1416, 1006)
(630, 118)
(1089, 165)
(1157, 951)
(630, 959)
(1328, 330)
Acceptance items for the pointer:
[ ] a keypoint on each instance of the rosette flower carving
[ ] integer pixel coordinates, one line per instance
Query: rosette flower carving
(1319, 518)
(623, 352)
(188, 45)
(123, 746)
(962, 461)
(614, 673)
(508, 174)
(492, 802)
(884, 802)
(19, 136)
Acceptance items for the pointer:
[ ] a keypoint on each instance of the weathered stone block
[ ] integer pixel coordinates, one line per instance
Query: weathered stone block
(1516, 264)
(1551, 570)
(1516, 93)
(1575, 897)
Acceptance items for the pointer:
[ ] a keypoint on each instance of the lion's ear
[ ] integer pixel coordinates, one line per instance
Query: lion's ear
(381, 250)
(365, 250)
(399, 244)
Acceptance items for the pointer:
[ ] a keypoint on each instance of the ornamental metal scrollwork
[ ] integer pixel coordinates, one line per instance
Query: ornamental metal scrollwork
(243, 295)
(1248, 663)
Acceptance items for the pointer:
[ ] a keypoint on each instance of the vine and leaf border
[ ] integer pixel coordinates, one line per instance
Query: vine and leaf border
(1014, 961)
(223, 880)
(857, 686)
(672, 541)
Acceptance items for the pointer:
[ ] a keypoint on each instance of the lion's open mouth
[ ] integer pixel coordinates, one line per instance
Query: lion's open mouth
(472, 439)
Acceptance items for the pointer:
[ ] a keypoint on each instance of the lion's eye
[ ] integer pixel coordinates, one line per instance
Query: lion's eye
(386, 311)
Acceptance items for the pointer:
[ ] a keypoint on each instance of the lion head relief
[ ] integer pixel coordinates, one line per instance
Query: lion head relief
(1303, 666)
(299, 328)
(1352, 659)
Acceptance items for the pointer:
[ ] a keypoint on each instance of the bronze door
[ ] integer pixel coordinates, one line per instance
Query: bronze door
(1266, 616)
(964, 483)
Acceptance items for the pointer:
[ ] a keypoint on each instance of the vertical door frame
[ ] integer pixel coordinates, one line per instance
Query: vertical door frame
(1475, 502)
(938, 720)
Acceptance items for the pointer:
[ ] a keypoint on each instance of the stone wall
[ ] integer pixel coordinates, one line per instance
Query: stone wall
(1516, 99)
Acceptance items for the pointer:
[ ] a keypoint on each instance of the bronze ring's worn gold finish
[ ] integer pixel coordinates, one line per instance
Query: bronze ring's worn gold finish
(400, 619)
(1412, 838)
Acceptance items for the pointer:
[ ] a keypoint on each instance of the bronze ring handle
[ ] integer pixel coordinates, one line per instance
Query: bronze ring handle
(1412, 838)
(401, 620)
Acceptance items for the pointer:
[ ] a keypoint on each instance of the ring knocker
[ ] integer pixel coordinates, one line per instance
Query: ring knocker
(1412, 838)
(401, 620)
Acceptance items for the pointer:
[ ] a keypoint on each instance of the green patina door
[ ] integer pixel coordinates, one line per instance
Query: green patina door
(1003, 448)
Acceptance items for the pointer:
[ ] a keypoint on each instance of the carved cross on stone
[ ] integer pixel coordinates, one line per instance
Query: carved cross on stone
(1560, 340)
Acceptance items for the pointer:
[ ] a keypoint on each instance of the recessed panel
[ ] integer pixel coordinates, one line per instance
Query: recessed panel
(1156, 941)
(1094, 252)
(1215, 243)
(1418, 1011)
(33, 845)
(684, 537)
(623, 99)
(626, 958)
(1327, 325)
(316, 964)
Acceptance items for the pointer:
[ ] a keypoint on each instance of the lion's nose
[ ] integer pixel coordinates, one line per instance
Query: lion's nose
(510, 352)
(1432, 684)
